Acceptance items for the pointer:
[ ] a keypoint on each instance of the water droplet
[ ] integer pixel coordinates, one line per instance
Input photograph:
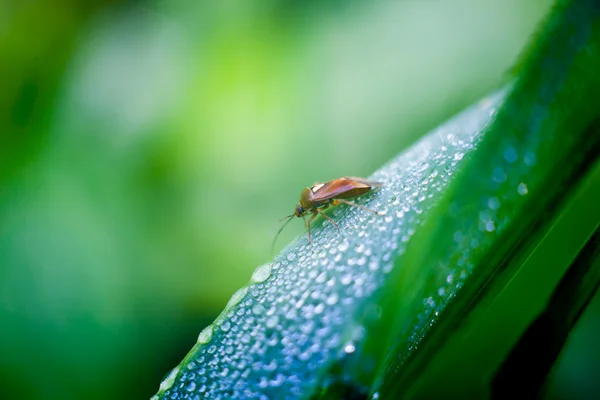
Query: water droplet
(321, 278)
(332, 299)
(349, 348)
(277, 381)
(522, 189)
(261, 273)
(344, 246)
(510, 155)
(458, 237)
(373, 265)
(493, 203)
(169, 380)
(205, 335)
(258, 309)
(346, 279)
(529, 158)
(272, 321)
(237, 296)
(291, 256)
(489, 226)
(226, 326)
(191, 386)
(499, 175)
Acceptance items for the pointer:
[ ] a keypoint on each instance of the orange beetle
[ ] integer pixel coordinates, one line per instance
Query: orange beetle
(318, 197)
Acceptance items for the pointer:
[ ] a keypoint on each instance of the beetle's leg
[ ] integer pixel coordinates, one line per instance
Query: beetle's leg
(330, 220)
(343, 201)
(309, 221)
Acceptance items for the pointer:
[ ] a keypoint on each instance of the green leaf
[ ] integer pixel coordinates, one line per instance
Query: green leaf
(306, 309)
(366, 308)
(526, 367)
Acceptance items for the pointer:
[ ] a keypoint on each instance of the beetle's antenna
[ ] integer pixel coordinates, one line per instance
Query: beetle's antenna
(278, 222)
(289, 217)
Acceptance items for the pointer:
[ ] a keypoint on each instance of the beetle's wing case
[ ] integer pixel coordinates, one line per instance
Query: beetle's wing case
(341, 189)
(314, 188)
(373, 184)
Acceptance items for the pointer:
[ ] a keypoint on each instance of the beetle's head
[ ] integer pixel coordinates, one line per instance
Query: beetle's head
(299, 211)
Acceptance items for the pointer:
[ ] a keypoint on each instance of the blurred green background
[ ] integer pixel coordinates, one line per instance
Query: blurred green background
(148, 147)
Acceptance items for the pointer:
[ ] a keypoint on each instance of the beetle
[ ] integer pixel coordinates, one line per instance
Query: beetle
(316, 198)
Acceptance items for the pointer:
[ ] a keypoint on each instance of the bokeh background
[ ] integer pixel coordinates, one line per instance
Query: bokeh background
(147, 148)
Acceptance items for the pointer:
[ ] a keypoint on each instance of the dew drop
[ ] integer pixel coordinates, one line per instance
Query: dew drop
(373, 265)
(169, 380)
(344, 246)
(529, 158)
(346, 279)
(237, 296)
(205, 335)
(522, 189)
(499, 175)
(258, 309)
(510, 155)
(272, 321)
(319, 308)
(190, 387)
(261, 273)
(321, 278)
(458, 237)
(277, 381)
(493, 203)
(332, 299)
(226, 326)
